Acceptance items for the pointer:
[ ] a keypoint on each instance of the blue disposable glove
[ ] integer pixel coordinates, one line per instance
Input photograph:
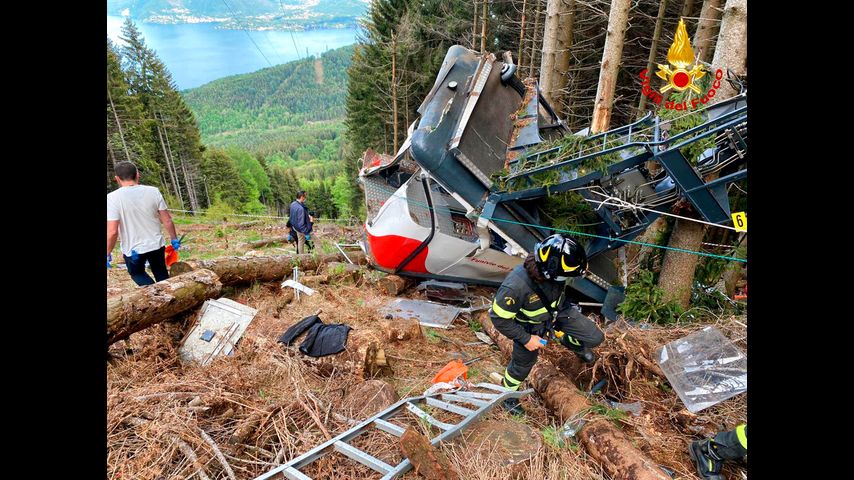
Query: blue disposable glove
(109, 259)
(176, 244)
(290, 238)
(307, 237)
(133, 255)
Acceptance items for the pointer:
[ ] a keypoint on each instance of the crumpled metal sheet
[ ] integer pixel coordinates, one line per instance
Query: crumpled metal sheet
(429, 314)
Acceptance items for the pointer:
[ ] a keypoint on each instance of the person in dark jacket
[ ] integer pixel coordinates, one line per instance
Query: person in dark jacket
(300, 220)
(531, 307)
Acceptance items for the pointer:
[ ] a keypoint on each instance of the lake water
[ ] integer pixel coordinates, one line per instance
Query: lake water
(198, 53)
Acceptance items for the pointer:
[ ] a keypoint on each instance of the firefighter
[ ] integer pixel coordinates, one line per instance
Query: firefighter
(709, 454)
(530, 308)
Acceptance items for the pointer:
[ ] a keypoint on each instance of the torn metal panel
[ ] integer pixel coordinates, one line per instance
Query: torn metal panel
(429, 314)
(449, 291)
(220, 325)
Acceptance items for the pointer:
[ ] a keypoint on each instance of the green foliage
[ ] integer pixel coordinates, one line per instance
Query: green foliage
(342, 192)
(431, 335)
(645, 301)
(219, 210)
(680, 121)
(223, 179)
(475, 325)
(570, 211)
(553, 437)
(338, 270)
(612, 414)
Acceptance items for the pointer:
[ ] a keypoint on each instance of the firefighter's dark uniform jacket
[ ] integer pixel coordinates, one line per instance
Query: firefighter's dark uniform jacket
(518, 312)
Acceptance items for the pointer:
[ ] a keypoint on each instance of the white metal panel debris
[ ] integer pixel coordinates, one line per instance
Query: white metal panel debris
(220, 325)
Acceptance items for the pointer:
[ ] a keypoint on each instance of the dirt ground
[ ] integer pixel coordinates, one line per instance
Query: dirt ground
(171, 420)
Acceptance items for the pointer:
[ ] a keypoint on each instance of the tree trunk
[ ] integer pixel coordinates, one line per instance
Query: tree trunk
(600, 438)
(169, 168)
(118, 123)
(557, 41)
(155, 303)
(612, 54)
(677, 270)
(363, 356)
(401, 329)
(707, 29)
(483, 22)
(522, 35)
(427, 460)
(474, 24)
(656, 35)
(394, 285)
(236, 270)
(533, 58)
(191, 191)
(731, 50)
(394, 88)
(687, 8)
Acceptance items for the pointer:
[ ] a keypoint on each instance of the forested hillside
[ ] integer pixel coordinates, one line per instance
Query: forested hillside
(291, 94)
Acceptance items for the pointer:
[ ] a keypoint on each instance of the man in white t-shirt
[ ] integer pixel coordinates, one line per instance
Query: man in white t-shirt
(134, 213)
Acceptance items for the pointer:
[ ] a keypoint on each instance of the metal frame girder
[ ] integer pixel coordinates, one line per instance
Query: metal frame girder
(692, 186)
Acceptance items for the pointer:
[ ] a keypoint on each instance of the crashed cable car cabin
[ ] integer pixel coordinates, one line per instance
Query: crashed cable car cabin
(440, 207)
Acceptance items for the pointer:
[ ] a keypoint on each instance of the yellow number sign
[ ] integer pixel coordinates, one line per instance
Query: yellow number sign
(739, 219)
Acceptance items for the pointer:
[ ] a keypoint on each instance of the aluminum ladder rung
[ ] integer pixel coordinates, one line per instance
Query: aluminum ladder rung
(389, 427)
(292, 473)
(362, 457)
(478, 395)
(426, 416)
(492, 386)
(449, 407)
(459, 398)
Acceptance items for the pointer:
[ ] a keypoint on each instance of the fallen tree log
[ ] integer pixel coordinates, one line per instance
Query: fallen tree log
(264, 242)
(155, 303)
(364, 356)
(605, 442)
(236, 270)
(313, 280)
(427, 460)
(241, 226)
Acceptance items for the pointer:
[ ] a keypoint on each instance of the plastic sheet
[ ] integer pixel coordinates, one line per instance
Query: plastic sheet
(704, 368)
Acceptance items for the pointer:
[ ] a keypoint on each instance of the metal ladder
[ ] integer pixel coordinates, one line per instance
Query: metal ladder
(445, 401)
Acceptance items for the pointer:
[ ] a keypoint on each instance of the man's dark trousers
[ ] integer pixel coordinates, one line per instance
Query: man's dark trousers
(157, 260)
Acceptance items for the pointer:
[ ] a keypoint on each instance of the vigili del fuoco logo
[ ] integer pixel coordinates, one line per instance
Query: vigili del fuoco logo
(680, 75)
